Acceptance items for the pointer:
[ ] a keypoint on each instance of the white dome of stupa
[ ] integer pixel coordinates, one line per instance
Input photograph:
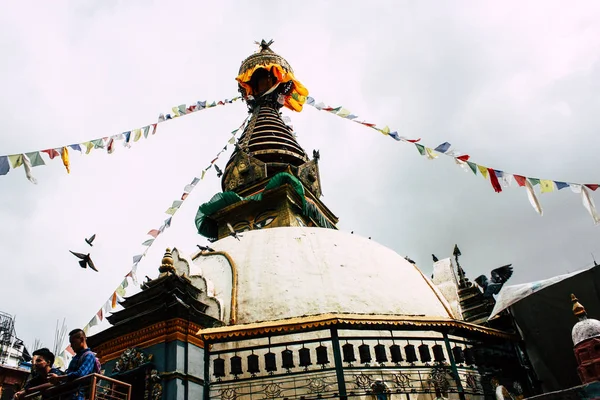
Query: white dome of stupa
(287, 272)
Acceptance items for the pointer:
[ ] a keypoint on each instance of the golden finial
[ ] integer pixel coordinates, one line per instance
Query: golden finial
(167, 262)
(264, 45)
(578, 309)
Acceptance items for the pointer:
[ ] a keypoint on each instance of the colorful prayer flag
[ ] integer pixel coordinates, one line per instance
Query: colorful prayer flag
(483, 171)
(52, 153)
(561, 185)
(65, 159)
(16, 160)
(494, 180)
(442, 148)
(546, 185)
(35, 158)
(473, 167)
(421, 148)
(520, 179)
(4, 166)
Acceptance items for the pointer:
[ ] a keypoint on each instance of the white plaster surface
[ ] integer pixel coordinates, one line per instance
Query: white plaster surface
(445, 279)
(585, 329)
(297, 271)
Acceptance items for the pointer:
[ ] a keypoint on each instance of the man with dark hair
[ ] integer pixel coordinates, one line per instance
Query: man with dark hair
(42, 368)
(83, 363)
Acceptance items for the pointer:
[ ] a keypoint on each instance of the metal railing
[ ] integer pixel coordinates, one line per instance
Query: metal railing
(90, 387)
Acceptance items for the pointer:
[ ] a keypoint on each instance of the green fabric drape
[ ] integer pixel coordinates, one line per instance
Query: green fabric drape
(208, 227)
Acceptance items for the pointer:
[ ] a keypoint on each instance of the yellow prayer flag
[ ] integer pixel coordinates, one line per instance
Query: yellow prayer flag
(203, 173)
(65, 159)
(113, 302)
(429, 153)
(89, 146)
(483, 170)
(232, 140)
(120, 291)
(16, 160)
(343, 113)
(175, 112)
(547, 185)
(385, 131)
(137, 134)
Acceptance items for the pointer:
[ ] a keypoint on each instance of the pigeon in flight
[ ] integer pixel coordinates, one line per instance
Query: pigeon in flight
(498, 278)
(232, 231)
(205, 248)
(91, 239)
(85, 260)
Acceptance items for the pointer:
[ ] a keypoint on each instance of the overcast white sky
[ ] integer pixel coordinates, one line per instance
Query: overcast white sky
(513, 84)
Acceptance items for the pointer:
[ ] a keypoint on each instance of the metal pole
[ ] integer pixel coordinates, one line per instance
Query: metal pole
(461, 392)
(93, 388)
(206, 370)
(339, 367)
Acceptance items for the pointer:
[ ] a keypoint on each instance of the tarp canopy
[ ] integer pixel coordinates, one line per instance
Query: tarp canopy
(543, 313)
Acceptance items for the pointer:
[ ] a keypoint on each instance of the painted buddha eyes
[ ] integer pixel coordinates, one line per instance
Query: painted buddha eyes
(263, 223)
(262, 220)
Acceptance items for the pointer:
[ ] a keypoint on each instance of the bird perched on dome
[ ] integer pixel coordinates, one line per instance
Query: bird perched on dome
(498, 278)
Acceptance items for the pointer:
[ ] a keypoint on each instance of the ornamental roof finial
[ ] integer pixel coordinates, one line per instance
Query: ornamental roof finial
(264, 45)
(578, 309)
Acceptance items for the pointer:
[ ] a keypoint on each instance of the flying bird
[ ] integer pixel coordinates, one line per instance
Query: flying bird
(435, 259)
(232, 231)
(498, 278)
(205, 248)
(91, 239)
(86, 261)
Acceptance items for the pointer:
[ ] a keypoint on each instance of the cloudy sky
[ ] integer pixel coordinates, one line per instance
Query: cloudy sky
(513, 84)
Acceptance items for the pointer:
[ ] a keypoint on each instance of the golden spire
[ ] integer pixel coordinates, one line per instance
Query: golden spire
(167, 262)
(578, 309)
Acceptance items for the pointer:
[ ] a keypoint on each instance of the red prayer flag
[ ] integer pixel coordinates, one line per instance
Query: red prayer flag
(368, 124)
(52, 153)
(99, 314)
(154, 233)
(494, 180)
(413, 140)
(592, 186)
(69, 350)
(184, 196)
(114, 300)
(520, 179)
(464, 158)
(153, 129)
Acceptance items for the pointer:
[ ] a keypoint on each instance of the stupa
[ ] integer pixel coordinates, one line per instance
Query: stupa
(283, 305)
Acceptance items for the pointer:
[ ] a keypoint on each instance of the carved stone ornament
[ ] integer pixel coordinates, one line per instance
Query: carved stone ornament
(131, 359)
(153, 387)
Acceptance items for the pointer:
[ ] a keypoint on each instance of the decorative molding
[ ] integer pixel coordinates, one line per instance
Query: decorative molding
(325, 320)
(234, 282)
(164, 331)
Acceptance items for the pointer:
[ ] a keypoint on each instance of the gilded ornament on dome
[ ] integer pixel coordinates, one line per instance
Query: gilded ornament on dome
(274, 77)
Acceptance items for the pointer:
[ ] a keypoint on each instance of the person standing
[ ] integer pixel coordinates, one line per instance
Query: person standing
(83, 363)
(43, 359)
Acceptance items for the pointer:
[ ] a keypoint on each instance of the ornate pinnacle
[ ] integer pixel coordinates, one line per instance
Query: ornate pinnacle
(578, 309)
(264, 45)
(167, 262)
